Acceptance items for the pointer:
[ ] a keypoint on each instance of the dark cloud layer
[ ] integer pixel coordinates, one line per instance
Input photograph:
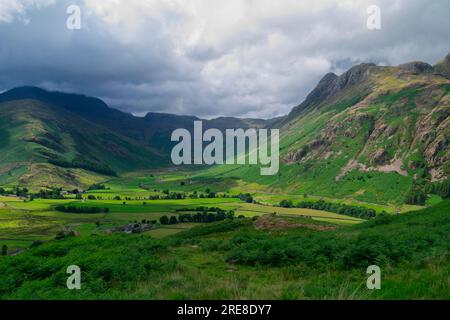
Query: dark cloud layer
(208, 57)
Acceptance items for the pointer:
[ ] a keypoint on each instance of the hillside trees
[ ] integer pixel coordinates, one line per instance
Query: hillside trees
(348, 210)
(98, 186)
(286, 204)
(246, 197)
(204, 215)
(415, 196)
(441, 188)
(164, 220)
(73, 209)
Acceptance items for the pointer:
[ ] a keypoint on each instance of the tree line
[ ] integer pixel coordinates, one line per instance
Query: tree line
(205, 215)
(74, 209)
(418, 192)
(83, 164)
(348, 210)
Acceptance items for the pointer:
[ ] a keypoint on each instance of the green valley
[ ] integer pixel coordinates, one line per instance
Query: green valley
(271, 257)
(363, 180)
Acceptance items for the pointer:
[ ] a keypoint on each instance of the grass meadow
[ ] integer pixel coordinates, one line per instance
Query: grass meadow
(23, 222)
(269, 252)
(242, 259)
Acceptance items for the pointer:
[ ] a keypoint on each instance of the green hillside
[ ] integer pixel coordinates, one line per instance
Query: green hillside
(271, 257)
(370, 134)
(374, 134)
(43, 145)
(363, 181)
(71, 140)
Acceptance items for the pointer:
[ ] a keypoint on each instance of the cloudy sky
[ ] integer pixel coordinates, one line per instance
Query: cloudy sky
(252, 58)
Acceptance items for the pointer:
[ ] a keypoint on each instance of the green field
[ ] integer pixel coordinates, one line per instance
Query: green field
(269, 252)
(21, 223)
(245, 259)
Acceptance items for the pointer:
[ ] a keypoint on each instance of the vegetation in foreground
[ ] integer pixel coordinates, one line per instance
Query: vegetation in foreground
(270, 257)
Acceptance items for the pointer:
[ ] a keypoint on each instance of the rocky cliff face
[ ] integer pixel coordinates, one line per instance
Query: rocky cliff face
(384, 119)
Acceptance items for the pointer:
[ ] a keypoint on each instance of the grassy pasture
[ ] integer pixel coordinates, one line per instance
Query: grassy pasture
(221, 179)
(21, 222)
(236, 260)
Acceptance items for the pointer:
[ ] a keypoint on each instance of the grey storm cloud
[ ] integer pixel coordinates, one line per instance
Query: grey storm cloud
(254, 58)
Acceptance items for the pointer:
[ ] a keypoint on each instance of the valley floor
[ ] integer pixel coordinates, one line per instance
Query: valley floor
(21, 222)
(265, 252)
(271, 257)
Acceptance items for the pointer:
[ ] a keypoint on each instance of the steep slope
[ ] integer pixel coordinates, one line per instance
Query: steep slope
(153, 130)
(46, 145)
(382, 119)
(368, 134)
(60, 139)
(89, 108)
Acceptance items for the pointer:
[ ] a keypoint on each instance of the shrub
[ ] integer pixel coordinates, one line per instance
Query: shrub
(246, 197)
(164, 220)
(286, 204)
(173, 220)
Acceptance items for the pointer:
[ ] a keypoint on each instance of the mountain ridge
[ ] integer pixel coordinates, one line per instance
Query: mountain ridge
(371, 133)
(391, 122)
(41, 137)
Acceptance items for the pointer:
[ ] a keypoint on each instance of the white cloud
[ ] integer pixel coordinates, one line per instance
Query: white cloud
(9, 9)
(211, 57)
(16, 9)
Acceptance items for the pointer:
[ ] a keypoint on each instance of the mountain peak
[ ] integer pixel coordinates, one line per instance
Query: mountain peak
(328, 78)
(89, 108)
(24, 92)
(322, 90)
(354, 75)
(415, 67)
(69, 101)
(331, 85)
